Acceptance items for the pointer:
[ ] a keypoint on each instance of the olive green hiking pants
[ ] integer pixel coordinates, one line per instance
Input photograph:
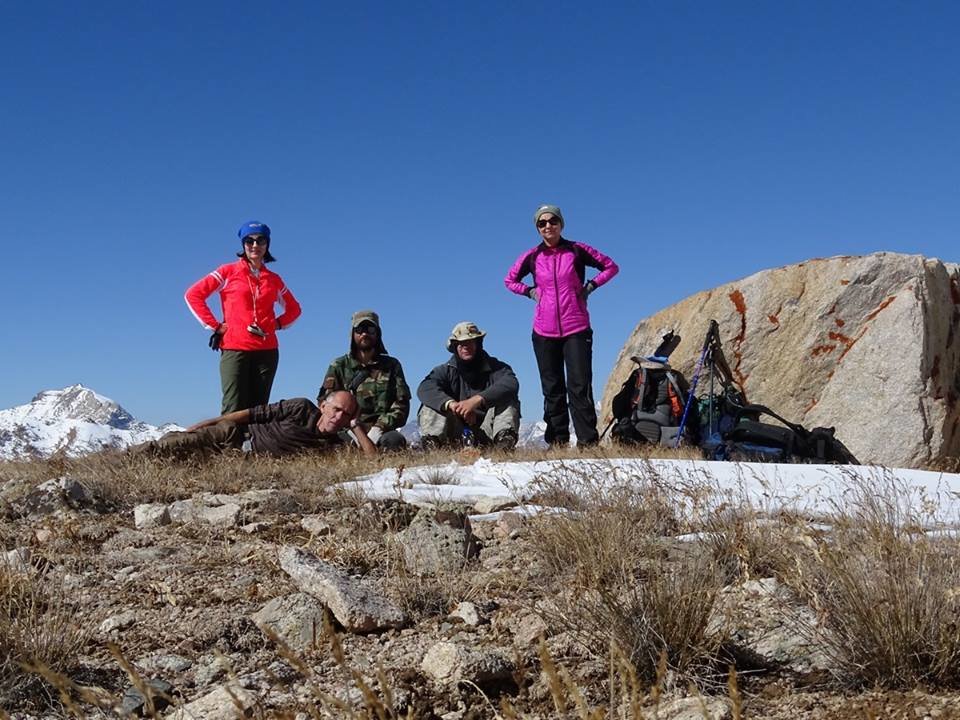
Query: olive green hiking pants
(211, 440)
(246, 377)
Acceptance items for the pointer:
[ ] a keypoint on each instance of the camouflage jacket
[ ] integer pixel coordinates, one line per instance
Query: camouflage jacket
(383, 396)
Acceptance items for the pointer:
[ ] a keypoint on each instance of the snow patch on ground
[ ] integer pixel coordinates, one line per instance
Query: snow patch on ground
(813, 490)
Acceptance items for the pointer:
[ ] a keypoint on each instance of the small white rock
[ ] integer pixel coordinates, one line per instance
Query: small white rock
(315, 525)
(17, 561)
(488, 504)
(255, 527)
(220, 516)
(467, 613)
(226, 702)
(150, 515)
(118, 622)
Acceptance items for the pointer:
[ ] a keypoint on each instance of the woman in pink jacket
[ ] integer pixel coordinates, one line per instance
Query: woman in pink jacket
(561, 324)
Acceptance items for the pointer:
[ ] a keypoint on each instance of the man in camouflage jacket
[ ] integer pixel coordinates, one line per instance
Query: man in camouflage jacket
(375, 378)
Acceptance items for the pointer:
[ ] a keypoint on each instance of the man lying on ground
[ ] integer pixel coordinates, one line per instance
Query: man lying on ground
(282, 428)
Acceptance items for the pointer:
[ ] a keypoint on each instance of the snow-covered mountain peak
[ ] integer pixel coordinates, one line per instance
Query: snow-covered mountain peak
(74, 421)
(77, 403)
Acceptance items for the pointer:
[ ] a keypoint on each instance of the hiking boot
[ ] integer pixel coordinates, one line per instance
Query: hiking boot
(392, 441)
(430, 443)
(505, 440)
(480, 439)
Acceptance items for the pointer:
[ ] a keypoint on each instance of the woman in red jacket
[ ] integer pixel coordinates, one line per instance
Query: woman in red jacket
(247, 337)
(562, 337)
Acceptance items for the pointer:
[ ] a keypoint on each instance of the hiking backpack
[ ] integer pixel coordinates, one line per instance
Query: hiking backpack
(786, 442)
(650, 405)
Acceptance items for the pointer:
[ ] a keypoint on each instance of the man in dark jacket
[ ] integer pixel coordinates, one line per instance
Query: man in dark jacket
(282, 428)
(375, 379)
(473, 398)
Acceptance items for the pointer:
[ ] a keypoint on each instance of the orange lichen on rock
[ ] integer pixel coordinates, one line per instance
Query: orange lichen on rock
(844, 282)
(810, 406)
(883, 306)
(774, 320)
(821, 349)
(736, 297)
(839, 322)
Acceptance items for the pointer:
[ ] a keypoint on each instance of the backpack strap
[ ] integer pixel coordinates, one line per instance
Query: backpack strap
(530, 265)
(754, 409)
(637, 396)
(675, 395)
(357, 380)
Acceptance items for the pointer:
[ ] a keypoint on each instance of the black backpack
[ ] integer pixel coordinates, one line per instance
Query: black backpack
(788, 442)
(650, 405)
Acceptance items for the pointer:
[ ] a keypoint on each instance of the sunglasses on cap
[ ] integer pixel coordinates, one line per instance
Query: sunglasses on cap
(256, 241)
(548, 221)
(365, 329)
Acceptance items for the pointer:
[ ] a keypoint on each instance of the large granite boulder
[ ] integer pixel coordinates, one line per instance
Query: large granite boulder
(866, 344)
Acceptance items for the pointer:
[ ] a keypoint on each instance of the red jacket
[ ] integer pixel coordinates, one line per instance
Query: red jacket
(559, 274)
(246, 299)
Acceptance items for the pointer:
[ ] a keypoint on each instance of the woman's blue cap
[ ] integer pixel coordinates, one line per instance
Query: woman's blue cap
(254, 228)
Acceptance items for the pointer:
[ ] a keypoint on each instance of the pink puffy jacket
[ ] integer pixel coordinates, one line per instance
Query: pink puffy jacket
(559, 275)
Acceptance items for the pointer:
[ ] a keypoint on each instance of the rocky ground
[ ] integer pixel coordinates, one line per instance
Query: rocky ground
(246, 595)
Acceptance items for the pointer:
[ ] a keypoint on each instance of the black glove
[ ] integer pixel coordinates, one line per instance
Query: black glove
(215, 341)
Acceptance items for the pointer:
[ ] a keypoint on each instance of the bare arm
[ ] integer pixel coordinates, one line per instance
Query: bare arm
(240, 417)
(366, 445)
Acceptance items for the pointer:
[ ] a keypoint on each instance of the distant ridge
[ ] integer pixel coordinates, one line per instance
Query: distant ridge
(73, 421)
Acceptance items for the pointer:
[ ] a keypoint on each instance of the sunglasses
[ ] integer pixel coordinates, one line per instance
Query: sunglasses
(549, 221)
(365, 330)
(256, 241)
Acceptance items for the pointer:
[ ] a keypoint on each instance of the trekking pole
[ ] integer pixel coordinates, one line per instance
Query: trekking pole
(707, 344)
(609, 425)
(710, 403)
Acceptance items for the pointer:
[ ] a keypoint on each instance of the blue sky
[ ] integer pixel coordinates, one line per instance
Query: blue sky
(398, 151)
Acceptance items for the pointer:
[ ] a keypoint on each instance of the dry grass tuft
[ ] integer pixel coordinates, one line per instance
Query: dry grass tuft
(37, 626)
(423, 596)
(889, 594)
(750, 542)
(618, 579)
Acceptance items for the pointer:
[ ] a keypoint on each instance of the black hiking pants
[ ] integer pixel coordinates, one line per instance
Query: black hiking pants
(575, 353)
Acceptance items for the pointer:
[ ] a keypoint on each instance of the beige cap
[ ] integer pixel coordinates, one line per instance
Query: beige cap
(464, 331)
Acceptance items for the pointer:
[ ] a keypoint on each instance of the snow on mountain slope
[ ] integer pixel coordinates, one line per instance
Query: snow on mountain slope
(73, 421)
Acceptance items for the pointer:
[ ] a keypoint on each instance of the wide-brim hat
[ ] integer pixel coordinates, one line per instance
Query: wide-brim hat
(464, 331)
